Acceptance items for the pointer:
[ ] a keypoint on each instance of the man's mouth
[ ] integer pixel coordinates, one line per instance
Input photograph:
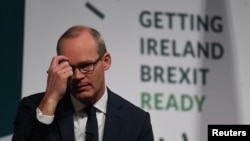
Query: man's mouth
(82, 87)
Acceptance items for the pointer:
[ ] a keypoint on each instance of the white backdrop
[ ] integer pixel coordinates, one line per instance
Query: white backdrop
(155, 63)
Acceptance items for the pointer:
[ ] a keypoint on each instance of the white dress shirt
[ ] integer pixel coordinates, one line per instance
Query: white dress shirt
(80, 117)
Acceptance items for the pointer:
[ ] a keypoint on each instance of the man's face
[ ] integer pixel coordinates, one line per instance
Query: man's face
(83, 51)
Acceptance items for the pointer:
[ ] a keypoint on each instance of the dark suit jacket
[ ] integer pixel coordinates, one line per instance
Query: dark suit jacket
(124, 121)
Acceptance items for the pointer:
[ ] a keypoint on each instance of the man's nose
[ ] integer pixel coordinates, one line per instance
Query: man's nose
(77, 74)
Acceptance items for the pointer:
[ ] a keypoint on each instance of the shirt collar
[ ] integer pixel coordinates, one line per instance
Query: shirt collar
(101, 104)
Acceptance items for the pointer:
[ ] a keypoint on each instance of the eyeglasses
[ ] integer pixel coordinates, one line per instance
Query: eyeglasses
(87, 68)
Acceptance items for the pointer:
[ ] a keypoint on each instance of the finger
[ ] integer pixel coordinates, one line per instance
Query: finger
(66, 69)
(57, 60)
(64, 64)
(69, 72)
(66, 72)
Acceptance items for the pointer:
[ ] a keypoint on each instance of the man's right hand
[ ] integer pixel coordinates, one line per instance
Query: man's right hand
(58, 74)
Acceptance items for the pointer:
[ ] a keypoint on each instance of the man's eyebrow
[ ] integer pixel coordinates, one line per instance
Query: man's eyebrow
(87, 62)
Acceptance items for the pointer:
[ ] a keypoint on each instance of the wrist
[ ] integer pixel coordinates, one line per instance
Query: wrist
(48, 105)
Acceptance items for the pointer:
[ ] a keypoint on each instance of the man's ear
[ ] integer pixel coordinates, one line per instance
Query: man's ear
(106, 61)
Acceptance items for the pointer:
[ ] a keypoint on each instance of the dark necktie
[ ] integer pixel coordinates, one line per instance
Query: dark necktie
(91, 126)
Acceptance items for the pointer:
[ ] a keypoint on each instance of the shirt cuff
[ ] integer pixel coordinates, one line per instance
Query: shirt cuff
(45, 119)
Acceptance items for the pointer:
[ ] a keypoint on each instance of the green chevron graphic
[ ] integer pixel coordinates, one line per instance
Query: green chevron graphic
(11, 53)
(94, 10)
(184, 136)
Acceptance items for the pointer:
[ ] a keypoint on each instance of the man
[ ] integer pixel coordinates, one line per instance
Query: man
(76, 80)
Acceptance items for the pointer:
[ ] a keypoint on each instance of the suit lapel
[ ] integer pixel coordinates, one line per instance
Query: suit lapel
(64, 119)
(114, 118)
